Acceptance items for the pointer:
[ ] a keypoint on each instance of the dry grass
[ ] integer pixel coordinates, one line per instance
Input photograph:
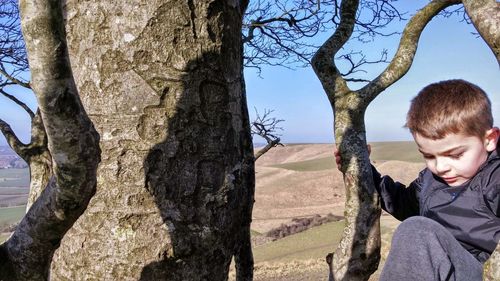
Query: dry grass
(302, 180)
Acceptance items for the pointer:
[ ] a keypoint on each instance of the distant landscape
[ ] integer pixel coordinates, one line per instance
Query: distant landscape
(296, 182)
(9, 159)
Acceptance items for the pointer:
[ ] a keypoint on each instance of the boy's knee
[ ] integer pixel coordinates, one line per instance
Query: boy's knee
(417, 226)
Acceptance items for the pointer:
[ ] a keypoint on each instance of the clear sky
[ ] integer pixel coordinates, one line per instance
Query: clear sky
(447, 50)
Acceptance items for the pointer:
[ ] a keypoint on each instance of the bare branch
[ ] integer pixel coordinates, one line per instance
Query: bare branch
(12, 48)
(267, 128)
(18, 102)
(75, 149)
(355, 65)
(276, 32)
(323, 63)
(12, 139)
(403, 59)
(13, 79)
(485, 15)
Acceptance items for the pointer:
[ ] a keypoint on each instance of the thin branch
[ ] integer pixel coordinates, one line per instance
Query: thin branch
(403, 59)
(13, 79)
(323, 63)
(485, 15)
(18, 102)
(12, 139)
(267, 128)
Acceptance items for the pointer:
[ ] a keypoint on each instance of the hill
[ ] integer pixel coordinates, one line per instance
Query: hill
(295, 181)
(301, 180)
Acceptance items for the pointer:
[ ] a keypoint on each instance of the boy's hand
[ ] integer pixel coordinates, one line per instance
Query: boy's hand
(338, 158)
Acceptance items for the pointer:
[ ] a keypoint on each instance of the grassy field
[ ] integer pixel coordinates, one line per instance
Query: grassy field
(14, 177)
(11, 215)
(381, 151)
(313, 243)
(310, 244)
(397, 150)
(309, 165)
(3, 236)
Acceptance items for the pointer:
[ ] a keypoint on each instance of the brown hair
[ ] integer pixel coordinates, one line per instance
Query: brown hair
(452, 106)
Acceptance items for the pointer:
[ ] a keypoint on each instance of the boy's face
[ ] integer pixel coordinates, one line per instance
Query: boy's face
(456, 158)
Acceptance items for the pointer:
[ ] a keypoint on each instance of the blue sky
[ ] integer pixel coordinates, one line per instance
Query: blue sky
(447, 50)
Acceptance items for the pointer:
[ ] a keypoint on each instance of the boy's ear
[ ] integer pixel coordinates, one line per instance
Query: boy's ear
(491, 139)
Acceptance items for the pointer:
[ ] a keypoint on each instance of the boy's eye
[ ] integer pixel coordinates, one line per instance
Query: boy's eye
(427, 156)
(456, 156)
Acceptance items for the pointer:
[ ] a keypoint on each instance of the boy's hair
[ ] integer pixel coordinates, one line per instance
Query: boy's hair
(452, 106)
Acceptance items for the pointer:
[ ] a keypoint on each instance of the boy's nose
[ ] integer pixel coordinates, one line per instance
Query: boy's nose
(442, 166)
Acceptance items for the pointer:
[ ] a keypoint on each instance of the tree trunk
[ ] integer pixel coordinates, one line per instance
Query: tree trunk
(39, 160)
(71, 139)
(485, 15)
(163, 84)
(358, 253)
(491, 267)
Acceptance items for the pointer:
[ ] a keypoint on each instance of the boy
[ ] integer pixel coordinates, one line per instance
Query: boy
(451, 211)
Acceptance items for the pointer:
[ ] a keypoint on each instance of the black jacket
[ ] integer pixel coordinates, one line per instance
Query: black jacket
(470, 212)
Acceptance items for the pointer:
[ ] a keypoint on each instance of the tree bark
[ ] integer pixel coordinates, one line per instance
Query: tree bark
(492, 266)
(163, 84)
(39, 160)
(71, 138)
(485, 15)
(358, 253)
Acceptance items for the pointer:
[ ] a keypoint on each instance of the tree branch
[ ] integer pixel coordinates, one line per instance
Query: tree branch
(323, 63)
(18, 102)
(269, 145)
(403, 59)
(485, 15)
(12, 139)
(13, 79)
(266, 127)
(75, 150)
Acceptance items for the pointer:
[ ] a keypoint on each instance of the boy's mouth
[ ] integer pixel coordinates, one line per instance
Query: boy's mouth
(449, 180)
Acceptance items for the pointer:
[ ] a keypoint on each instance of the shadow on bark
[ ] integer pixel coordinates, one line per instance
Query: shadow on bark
(202, 175)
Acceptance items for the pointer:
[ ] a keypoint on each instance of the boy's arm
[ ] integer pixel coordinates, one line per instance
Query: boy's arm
(492, 193)
(400, 201)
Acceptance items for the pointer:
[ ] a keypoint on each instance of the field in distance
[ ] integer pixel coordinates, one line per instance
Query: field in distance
(301, 180)
(297, 181)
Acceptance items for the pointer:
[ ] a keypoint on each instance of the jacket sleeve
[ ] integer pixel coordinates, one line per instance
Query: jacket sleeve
(398, 200)
(492, 193)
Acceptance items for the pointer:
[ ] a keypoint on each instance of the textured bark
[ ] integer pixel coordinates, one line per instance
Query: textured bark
(162, 81)
(38, 157)
(266, 148)
(492, 266)
(36, 154)
(485, 15)
(358, 253)
(71, 139)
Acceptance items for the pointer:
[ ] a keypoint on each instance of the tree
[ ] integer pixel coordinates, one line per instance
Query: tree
(72, 139)
(13, 69)
(163, 84)
(358, 253)
(267, 128)
(485, 16)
